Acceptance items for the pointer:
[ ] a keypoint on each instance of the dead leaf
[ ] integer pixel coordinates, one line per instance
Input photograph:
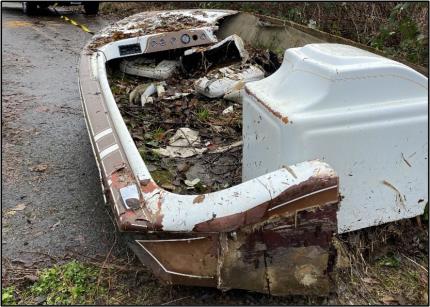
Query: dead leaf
(192, 183)
(19, 207)
(10, 213)
(40, 168)
(389, 300)
(198, 199)
(168, 186)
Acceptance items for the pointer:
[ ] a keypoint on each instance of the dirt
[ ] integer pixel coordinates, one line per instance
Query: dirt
(154, 124)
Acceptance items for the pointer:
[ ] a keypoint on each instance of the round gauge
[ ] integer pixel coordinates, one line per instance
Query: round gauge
(185, 38)
(153, 43)
(162, 42)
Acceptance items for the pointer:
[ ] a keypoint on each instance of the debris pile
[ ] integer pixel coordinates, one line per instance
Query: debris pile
(184, 111)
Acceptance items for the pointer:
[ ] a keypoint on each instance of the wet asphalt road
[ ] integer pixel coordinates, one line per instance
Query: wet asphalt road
(48, 166)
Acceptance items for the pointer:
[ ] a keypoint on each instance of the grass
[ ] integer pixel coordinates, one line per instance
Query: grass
(158, 134)
(73, 283)
(203, 114)
(68, 284)
(388, 265)
(8, 296)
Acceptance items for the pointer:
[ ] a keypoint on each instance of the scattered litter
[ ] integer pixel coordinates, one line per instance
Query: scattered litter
(135, 95)
(220, 82)
(185, 137)
(146, 96)
(160, 90)
(176, 96)
(192, 183)
(230, 49)
(228, 110)
(227, 147)
(180, 152)
(187, 128)
(146, 68)
(182, 144)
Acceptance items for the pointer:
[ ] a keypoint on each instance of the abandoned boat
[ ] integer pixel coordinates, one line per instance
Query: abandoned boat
(323, 139)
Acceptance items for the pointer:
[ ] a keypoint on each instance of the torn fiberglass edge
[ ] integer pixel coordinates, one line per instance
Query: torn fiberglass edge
(272, 233)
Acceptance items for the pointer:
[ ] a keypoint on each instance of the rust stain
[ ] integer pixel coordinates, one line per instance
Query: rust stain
(260, 212)
(255, 214)
(284, 119)
(313, 184)
(222, 224)
(121, 178)
(148, 186)
(198, 199)
(126, 219)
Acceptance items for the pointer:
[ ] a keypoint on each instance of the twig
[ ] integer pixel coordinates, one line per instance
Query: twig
(406, 161)
(176, 300)
(414, 262)
(104, 263)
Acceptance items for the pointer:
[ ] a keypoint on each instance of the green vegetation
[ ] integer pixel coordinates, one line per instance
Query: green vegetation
(203, 114)
(71, 283)
(400, 36)
(158, 134)
(390, 260)
(8, 296)
(397, 29)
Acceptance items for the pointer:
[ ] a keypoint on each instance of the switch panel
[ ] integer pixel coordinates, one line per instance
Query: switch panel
(180, 39)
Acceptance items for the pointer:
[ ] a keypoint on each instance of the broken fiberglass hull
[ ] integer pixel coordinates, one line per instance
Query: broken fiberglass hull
(271, 234)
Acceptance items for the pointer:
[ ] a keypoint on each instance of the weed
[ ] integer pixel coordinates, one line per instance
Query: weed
(401, 31)
(389, 260)
(162, 176)
(203, 114)
(71, 283)
(158, 134)
(8, 296)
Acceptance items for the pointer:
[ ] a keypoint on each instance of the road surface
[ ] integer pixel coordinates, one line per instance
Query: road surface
(51, 197)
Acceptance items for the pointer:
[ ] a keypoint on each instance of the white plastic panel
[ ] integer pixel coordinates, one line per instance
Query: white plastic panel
(363, 114)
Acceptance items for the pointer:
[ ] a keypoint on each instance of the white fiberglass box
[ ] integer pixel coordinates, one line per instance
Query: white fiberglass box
(363, 114)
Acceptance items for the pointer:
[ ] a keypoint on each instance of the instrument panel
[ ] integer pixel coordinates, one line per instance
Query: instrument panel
(180, 39)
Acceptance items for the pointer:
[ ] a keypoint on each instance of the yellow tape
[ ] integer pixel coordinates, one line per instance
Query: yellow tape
(71, 21)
